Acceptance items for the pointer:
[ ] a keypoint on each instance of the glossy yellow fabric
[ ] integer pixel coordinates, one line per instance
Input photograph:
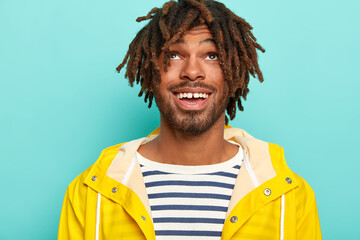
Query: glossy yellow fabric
(124, 214)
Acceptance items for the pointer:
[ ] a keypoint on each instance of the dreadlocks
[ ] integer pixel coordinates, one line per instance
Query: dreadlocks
(232, 34)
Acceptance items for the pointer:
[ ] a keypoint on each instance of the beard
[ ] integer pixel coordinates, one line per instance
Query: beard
(191, 122)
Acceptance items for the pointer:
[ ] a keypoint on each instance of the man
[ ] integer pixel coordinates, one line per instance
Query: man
(191, 178)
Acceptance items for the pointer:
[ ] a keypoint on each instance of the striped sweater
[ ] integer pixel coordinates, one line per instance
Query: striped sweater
(189, 202)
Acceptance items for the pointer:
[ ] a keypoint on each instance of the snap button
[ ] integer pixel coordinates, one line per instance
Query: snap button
(143, 218)
(114, 190)
(94, 178)
(233, 219)
(288, 180)
(267, 192)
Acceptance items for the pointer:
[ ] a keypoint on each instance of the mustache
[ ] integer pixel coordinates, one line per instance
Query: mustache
(192, 85)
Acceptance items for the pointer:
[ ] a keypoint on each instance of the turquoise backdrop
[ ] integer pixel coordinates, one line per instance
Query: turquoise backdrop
(62, 102)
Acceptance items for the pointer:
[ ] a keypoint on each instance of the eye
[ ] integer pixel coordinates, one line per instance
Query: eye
(212, 56)
(174, 55)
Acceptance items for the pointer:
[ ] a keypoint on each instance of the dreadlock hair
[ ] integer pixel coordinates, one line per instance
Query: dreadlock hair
(236, 45)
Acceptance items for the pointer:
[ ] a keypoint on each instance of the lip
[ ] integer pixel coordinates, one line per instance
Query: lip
(191, 90)
(188, 105)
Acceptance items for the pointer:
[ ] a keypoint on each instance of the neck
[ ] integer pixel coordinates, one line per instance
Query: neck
(173, 147)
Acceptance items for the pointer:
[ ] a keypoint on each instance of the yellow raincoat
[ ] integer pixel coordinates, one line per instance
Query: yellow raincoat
(269, 201)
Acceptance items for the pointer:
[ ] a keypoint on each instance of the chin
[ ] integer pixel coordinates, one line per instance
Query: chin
(193, 124)
(193, 129)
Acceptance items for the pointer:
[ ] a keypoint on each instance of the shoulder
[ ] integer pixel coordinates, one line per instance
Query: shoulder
(78, 187)
(304, 194)
(278, 160)
(304, 187)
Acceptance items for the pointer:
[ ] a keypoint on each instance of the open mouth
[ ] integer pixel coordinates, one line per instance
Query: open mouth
(192, 100)
(192, 96)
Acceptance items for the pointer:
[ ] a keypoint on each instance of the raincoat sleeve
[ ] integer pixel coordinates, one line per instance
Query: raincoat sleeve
(71, 224)
(308, 224)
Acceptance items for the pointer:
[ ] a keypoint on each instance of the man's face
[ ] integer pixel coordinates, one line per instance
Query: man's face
(192, 95)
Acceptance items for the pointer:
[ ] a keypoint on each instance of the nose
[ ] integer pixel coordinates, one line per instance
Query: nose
(192, 70)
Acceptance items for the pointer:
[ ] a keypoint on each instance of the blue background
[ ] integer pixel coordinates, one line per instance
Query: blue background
(62, 102)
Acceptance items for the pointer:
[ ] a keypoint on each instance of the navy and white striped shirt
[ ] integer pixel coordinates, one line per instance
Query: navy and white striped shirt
(189, 202)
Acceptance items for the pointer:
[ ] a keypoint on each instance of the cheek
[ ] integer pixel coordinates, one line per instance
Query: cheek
(226, 92)
(170, 75)
(217, 75)
(215, 70)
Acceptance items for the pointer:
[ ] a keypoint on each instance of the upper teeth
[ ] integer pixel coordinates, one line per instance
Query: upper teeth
(192, 95)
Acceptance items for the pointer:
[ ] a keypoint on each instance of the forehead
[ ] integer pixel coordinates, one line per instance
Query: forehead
(198, 30)
(196, 35)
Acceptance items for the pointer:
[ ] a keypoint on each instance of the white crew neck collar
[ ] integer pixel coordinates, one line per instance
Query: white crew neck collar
(198, 169)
